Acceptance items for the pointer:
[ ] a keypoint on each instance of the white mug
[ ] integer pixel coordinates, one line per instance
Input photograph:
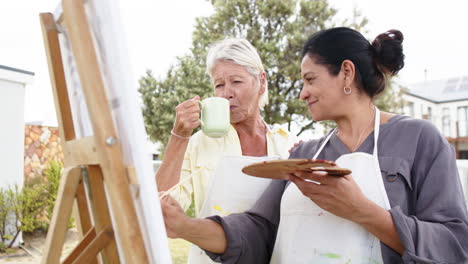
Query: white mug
(215, 116)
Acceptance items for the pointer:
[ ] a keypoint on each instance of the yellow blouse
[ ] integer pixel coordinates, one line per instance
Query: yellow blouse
(203, 154)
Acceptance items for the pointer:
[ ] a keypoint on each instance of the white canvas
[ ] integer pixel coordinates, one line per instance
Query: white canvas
(121, 89)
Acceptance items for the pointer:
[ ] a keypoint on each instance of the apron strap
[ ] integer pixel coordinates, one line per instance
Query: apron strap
(324, 143)
(376, 130)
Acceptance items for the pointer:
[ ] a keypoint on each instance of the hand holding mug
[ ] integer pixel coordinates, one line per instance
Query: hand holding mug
(187, 117)
(212, 114)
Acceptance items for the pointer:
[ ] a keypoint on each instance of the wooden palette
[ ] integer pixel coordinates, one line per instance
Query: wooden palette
(280, 169)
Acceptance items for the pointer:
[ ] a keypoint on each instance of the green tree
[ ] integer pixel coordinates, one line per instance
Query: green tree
(391, 100)
(276, 28)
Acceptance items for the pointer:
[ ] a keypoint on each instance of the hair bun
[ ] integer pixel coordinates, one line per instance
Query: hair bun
(388, 51)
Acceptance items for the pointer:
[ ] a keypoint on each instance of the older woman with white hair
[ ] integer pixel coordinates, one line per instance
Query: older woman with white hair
(196, 162)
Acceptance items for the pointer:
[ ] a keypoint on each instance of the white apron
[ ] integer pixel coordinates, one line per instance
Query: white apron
(230, 191)
(309, 234)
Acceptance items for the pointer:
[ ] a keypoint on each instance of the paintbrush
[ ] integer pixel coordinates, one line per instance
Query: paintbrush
(163, 194)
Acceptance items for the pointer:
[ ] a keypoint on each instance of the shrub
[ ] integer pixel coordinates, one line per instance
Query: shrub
(29, 209)
(32, 202)
(5, 215)
(53, 173)
(3, 247)
(9, 217)
(19, 211)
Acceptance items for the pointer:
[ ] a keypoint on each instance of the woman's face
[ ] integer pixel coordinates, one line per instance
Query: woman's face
(242, 89)
(322, 91)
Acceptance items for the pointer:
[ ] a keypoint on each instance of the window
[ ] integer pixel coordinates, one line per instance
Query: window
(463, 154)
(429, 113)
(463, 121)
(409, 109)
(446, 121)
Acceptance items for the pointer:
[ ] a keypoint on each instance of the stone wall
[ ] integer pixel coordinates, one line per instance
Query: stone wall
(41, 145)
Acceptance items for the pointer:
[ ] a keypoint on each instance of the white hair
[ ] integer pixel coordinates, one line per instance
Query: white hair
(241, 52)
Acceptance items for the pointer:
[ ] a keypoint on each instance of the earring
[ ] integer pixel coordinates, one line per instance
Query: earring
(347, 90)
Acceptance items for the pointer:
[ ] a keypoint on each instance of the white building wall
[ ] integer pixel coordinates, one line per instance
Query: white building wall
(421, 106)
(453, 106)
(11, 133)
(12, 91)
(462, 166)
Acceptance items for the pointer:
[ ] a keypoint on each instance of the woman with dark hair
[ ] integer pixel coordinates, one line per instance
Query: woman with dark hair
(403, 202)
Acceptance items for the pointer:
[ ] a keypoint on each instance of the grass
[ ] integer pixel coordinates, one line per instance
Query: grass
(179, 250)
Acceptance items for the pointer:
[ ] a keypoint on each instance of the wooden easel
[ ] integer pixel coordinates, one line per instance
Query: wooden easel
(95, 162)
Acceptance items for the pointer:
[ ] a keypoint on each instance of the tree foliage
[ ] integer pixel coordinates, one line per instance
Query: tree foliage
(391, 100)
(278, 29)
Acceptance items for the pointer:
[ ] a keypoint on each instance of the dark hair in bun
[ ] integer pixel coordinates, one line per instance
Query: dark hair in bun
(373, 62)
(388, 51)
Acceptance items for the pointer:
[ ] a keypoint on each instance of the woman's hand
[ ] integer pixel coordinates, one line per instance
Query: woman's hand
(175, 220)
(187, 117)
(295, 145)
(204, 233)
(340, 196)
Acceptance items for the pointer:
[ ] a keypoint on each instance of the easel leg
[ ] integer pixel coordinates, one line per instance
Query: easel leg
(61, 215)
(88, 238)
(83, 218)
(100, 210)
(101, 241)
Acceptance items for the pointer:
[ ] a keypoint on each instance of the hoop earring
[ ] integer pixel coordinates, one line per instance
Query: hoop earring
(347, 90)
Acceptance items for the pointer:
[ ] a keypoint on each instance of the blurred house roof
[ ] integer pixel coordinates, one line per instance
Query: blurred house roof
(441, 91)
(16, 75)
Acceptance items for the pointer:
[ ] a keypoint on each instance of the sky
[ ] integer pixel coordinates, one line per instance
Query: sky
(158, 31)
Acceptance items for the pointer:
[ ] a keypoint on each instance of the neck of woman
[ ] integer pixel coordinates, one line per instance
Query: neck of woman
(252, 137)
(358, 122)
(251, 126)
